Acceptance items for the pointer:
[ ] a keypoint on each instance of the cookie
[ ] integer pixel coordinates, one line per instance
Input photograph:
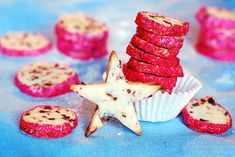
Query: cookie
(24, 44)
(225, 55)
(161, 25)
(79, 27)
(207, 116)
(152, 59)
(133, 75)
(48, 121)
(211, 17)
(153, 49)
(170, 42)
(79, 52)
(45, 79)
(154, 69)
(115, 97)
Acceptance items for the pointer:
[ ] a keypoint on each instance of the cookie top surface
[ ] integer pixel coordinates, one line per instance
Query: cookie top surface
(80, 23)
(47, 114)
(164, 20)
(208, 110)
(23, 41)
(44, 74)
(221, 13)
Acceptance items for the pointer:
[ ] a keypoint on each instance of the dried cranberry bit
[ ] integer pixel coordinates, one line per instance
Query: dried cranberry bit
(167, 22)
(27, 114)
(57, 111)
(203, 101)
(51, 118)
(128, 91)
(124, 115)
(190, 111)
(150, 96)
(203, 120)
(44, 116)
(195, 104)
(56, 65)
(226, 113)
(42, 111)
(48, 107)
(48, 84)
(211, 101)
(34, 77)
(110, 95)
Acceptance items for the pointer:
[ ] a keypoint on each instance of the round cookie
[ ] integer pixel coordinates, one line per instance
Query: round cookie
(161, 25)
(211, 17)
(46, 79)
(170, 42)
(206, 115)
(48, 121)
(152, 59)
(24, 44)
(165, 82)
(79, 27)
(154, 69)
(153, 49)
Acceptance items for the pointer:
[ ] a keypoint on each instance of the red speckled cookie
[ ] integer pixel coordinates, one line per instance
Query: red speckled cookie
(211, 17)
(152, 59)
(24, 44)
(153, 49)
(165, 82)
(161, 25)
(48, 121)
(154, 69)
(170, 42)
(46, 79)
(206, 115)
(79, 27)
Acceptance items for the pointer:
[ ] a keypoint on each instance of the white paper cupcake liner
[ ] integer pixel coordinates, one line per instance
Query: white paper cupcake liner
(163, 107)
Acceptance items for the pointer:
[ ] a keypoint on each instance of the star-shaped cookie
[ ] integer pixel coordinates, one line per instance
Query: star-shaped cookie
(115, 97)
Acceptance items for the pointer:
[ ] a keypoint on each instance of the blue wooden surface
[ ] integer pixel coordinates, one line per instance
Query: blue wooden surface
(170, 138)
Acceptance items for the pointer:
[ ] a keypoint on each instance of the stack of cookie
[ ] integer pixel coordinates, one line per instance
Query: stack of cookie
(154, 49)
(81, 37)
(217, 33)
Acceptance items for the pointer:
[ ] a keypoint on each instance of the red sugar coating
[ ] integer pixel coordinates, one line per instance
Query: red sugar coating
(145, 20)
(153, 49)
(132, 75)
(170, 42)
(154, 69)
(152, 59)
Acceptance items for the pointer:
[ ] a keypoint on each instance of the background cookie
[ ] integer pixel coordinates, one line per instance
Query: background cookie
(24, 44)
(46, 79)
(48, 121)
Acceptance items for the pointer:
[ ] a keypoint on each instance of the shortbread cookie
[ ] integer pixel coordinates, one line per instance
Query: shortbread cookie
(46, 79)
(211, 17)
(77, 26)
(152, 59)
(161, 25)
(206, 115)
(115, 97)
(133, 75)
(170, 42)
(153, 49)
(24, 44)
(155, 69)
(48, 121)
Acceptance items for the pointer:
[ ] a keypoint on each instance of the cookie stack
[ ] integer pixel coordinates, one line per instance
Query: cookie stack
(154, 49)
(81, 37)
(217, 33)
